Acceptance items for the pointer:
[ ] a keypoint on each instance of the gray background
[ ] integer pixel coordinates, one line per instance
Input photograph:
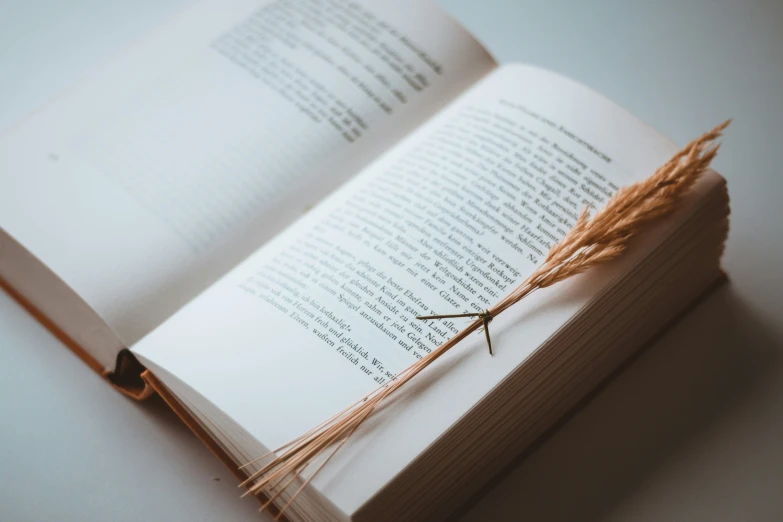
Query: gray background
(693, 430)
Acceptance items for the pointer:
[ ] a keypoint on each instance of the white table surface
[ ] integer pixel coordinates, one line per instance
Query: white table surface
(693, 430)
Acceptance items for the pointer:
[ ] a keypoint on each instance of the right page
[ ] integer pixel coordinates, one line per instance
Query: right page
(449, 221)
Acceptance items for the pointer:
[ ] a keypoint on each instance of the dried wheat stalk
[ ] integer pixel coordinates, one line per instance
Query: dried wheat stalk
(590, 242)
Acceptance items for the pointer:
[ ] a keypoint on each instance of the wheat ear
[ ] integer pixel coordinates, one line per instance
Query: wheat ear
(590, 242)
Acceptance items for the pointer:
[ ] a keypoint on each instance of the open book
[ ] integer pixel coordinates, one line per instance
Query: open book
(256, 201)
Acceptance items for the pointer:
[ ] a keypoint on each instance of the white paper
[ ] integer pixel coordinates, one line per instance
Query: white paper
(277, 377)
(156, 175)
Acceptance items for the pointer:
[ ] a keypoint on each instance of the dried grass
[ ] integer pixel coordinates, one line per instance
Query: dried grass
(590, 242)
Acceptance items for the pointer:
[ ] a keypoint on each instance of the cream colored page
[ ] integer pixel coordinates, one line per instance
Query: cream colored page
(449, 221)
(176, 160)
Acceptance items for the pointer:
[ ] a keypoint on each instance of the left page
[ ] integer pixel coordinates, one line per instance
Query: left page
(154, 176)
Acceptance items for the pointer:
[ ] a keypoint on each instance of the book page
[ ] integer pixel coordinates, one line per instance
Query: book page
(167, 167)
(449, 221)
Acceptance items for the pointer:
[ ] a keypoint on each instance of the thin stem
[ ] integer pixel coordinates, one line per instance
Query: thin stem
(448, 316)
